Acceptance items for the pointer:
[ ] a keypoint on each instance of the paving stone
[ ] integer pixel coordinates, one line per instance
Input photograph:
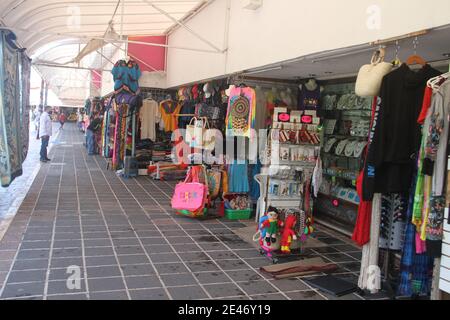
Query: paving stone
(27, 276)
(187, 293)
(106, 284)
(143, 282)
(23, 290)
(149, 294)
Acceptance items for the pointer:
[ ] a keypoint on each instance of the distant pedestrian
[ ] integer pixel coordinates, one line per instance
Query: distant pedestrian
(45, 132)
(94, 126)
(62, 120)
(80, 120)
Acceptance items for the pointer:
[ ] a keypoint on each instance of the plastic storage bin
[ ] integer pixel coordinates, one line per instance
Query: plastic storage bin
(238, 214)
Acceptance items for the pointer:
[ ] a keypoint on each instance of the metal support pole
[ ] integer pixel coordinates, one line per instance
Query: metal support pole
(41, 101)
(209, 43)
(46, 94)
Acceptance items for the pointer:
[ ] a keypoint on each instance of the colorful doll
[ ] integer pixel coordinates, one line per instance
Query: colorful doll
(271, 227)
(288, 234)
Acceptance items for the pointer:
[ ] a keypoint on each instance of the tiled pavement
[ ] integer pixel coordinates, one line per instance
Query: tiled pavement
(126, 242)
(11, 197)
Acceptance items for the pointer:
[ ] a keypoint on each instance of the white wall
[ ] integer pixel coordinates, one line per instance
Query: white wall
(287, 29)
(188, 66)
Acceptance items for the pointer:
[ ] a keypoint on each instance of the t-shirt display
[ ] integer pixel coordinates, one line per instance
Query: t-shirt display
(241, 112)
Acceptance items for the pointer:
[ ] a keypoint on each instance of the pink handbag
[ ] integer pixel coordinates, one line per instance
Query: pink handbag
(190, 195)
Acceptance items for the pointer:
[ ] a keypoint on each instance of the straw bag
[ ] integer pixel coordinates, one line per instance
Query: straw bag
(194, 132)
(370, 76)
(199, 135)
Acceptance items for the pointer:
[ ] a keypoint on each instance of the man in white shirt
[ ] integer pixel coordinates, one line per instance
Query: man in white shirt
(45, 132)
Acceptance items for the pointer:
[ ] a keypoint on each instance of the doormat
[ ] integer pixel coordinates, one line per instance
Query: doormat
(333, 285)
(299, 268)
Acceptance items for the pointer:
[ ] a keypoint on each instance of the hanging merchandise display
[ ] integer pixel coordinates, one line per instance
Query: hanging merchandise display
(15, 69)
(241, 112)
(346, 126)
(370, 76)
(309, 96)
(294, 148)
(397, 135)
(149, 117)
(168, 110)
(126, 76)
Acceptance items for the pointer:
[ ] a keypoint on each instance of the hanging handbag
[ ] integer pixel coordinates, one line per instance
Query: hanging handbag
(214, 183)
(368, 83)
(209, 137)
(190, 196)
(194, 132)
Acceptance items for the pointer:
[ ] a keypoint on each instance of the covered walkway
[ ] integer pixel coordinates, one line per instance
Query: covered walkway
(127, 243)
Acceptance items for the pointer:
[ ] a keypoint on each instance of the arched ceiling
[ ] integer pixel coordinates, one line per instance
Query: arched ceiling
(55, 32)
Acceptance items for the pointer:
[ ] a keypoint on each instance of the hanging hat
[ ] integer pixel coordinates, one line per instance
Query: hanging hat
(195, 92)
(228, 91)
(207, 89)
(181, 95)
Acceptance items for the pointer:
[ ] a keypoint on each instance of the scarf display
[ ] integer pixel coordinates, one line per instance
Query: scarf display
(120, 136)
(241, 112)
(15, 68)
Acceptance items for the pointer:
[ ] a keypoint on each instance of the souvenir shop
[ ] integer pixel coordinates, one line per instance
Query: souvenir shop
(365, 155)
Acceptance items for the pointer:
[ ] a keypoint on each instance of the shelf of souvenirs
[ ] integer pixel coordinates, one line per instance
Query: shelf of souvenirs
(303, 144)
(340, 156)
(337, 201)
(341, 173)
(294, 163)
(343, 136)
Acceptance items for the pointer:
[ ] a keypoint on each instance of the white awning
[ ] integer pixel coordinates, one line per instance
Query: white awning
(71, 34)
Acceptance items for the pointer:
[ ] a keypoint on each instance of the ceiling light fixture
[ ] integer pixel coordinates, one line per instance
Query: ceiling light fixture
(263, 70)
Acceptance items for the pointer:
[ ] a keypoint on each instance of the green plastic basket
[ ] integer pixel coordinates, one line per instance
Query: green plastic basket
(238, 214)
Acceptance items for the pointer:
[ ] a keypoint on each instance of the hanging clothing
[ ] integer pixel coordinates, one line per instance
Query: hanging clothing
(126, 76)
(261, 109)
(187, 107)
(370, 275)
(415, 269)
(149, 116)
(168, 110)
(238, 178)
(393, 221)
(254, 185)
(397, 134)
(426, 105)
(361, 234)
(437, 141)
(309, 99)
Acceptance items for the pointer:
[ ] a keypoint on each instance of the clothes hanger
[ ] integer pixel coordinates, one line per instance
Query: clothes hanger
(396, 62)
(415, 58)
(436, 82)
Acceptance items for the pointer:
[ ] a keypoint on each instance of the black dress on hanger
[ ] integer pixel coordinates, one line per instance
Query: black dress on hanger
(396, 134)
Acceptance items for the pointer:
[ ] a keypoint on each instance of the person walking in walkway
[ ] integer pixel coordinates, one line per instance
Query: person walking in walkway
(62, 120)
(94, 126)
(45, 132)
